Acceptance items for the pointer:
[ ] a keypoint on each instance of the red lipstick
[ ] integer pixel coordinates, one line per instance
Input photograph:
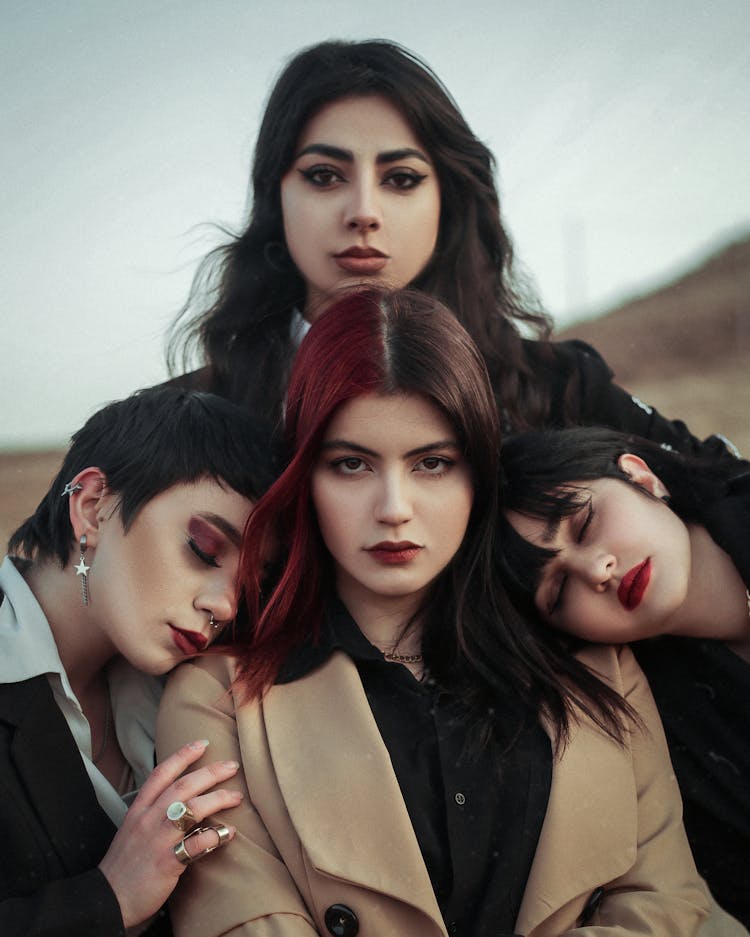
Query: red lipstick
(633, 585)
(361, 260)
(189, 642)
(394, 553)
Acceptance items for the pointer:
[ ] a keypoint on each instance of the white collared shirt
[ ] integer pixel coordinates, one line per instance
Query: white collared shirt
(298, 327)
(28, 649)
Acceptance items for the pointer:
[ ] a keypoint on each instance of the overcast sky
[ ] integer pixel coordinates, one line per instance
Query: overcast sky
(621, 130)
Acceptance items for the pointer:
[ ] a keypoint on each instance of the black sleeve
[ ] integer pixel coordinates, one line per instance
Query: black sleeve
(601, 402)
(81, 906)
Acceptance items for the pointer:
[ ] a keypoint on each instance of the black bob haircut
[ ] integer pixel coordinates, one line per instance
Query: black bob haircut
(544, 475)
(144, 445)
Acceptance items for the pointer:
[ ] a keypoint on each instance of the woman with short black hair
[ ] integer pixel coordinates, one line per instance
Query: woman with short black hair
(127, 567)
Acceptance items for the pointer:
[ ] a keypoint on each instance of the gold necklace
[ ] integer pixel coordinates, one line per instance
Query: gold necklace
(403, 658)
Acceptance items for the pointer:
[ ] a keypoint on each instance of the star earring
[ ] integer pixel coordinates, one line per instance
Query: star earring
(82, 569)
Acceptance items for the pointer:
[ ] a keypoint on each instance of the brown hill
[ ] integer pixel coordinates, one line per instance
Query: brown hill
(685, 348)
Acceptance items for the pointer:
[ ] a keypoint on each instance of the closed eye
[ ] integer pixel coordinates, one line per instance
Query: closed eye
(588, 515)
(208, 558)
(556, 603)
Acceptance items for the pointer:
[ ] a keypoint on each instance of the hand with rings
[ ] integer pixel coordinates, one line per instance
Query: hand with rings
(183, 818)
(164, 831)
(221, 834)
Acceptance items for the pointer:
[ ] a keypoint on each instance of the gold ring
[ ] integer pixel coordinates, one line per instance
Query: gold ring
(180, 850)
(181, 816)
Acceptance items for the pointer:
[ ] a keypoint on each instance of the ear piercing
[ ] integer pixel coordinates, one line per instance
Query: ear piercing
(70, 488)
(82, 569)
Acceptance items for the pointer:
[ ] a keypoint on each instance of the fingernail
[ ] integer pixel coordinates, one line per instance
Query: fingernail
(199, 745)
(231, 764)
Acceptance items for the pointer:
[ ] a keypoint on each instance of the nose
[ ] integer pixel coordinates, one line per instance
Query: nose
(393, 506)
(219, 597)
(363, 209)
(596, 568)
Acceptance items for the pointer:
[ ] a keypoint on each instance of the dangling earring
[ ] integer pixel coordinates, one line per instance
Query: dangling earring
(82, 569)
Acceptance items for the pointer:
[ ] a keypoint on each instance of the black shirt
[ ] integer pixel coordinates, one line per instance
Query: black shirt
(702, 690)
(477, 814)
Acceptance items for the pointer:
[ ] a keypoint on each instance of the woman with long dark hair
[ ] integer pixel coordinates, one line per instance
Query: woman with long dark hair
(416, 760)
(366, 172)
(622, 540)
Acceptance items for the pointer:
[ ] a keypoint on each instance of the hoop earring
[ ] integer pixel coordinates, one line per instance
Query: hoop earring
(276, 255)
(82, 570)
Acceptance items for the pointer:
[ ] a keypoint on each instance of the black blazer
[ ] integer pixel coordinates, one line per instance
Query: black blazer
(52, 829)
(702, 690)
(577, 378)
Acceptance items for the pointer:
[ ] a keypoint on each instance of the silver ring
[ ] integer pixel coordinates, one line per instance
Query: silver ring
(181, 816)
(180, 850)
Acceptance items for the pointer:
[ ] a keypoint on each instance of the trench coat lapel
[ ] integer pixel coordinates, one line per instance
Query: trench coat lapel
(589, 835)
(48, 765)
(340, 789)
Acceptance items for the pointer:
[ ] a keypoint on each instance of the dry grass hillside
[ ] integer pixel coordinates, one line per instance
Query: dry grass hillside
(684, 348)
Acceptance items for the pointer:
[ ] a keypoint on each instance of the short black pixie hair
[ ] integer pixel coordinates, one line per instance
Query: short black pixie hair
(145, 444)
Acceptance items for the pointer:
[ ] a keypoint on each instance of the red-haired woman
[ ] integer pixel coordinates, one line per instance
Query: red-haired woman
(415, 760)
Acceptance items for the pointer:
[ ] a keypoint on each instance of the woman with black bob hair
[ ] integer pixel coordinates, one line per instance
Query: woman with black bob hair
(612, 538)
(366, 172)
(415, 761)
(127, 567)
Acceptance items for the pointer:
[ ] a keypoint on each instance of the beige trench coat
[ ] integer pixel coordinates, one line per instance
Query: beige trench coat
(323, 821)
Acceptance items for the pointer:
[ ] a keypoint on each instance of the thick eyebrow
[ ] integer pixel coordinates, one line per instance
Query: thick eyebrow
(347, 156)
(229, 530)
(420, 450)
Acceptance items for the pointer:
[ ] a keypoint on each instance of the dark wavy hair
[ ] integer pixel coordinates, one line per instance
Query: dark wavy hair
(474, 641)
(252, 285)
(144, 445)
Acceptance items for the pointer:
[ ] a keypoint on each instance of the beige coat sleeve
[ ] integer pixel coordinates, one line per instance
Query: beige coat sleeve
(245, 887)
(661, 894)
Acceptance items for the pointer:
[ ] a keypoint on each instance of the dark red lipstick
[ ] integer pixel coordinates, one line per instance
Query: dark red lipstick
(394, 552)
(633, 585)
(189, 642)
(361, 260)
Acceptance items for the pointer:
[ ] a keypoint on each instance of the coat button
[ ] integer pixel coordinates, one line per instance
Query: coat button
(341, 921)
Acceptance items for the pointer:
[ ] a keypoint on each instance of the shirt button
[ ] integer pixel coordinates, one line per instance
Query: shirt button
(460, 799)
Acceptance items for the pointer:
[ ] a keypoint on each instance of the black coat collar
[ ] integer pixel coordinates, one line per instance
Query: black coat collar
(43, 755)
